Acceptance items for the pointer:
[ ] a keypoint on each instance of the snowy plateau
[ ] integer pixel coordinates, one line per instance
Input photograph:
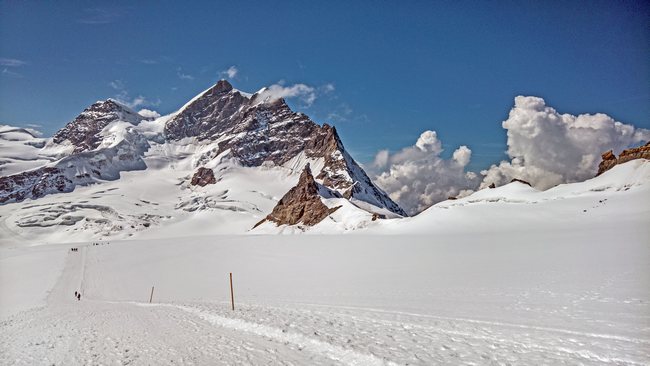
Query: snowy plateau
(504, 276)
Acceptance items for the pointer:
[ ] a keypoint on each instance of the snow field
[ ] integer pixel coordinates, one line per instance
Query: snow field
(555, 298)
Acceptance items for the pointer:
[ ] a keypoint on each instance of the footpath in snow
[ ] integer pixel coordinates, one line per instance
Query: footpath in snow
(455, 304)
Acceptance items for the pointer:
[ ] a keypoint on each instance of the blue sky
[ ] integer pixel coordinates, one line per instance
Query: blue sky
(397, 68)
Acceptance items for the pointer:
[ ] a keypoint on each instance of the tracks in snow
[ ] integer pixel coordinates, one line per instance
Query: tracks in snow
(103, 332)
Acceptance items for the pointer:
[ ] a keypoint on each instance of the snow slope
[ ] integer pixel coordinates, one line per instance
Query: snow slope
(505, 276)
(621, 194)
(20, 150)
(546, 298)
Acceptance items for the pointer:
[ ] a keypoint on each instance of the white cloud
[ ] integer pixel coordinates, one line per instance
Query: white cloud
(13, 74)
(11, 62)
(328, 88)
(417, 176)
(139, 101)
(116, 84)
(230, 73)
(148, 113)
(183, 76)
(547, 148)
(95, 16)
(123, 96)
(305, 93)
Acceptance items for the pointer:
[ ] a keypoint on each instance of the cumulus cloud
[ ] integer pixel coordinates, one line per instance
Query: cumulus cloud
(417, 176)
(148, 113)
(305, 93)
(230, 73)
(547, 148)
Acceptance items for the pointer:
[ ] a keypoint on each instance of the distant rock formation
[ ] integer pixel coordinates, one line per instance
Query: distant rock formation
(610, 160)
(84, 131)
(520, 181)
(33, 184)
(301, 205)
(203, 177)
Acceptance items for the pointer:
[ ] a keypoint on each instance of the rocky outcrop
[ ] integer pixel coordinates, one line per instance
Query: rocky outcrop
(203, 177)
(301, 205)
(520, 181)
(84, 131)
(607, 163)
(610, 160)
(33, 184)
(256, 130)
(82, 168)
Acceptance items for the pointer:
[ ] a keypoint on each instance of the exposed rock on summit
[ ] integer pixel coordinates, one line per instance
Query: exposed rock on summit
(83, 131)
(203, 177)
(301, 205)
(256, 130)
(520, 181)
(610, 160)
(250, 129)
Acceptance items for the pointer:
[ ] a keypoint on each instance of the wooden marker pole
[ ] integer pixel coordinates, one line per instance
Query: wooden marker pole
(232, 295)
(151, 297)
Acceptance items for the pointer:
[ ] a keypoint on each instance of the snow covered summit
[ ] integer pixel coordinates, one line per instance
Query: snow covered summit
(252, 147)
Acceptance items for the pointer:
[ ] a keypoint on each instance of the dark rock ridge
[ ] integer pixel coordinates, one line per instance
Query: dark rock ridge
(83, 131)
(610, 160)
(301, 205)
(203, 177)
(520, 181)
(78, 169)
(33, 184)
(257, 129)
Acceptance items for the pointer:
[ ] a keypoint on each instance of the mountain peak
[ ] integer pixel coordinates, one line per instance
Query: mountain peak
(222, 86)
(301, 205)
(83, 131)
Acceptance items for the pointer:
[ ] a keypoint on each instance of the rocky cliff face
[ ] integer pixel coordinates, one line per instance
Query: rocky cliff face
(33, 184)
(88, 163)
(84, 131)
(610, 160)
(257, 130)
(301, 205)
(203, 177)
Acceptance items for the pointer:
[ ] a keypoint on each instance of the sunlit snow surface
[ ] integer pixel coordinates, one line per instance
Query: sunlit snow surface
(505, 276)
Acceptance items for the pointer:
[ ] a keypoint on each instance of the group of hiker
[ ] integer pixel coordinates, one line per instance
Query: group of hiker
(77, 249)
(77, 295)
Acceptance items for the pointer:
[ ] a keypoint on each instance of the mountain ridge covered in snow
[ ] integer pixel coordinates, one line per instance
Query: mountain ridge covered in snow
(221, 132)
(221, 164)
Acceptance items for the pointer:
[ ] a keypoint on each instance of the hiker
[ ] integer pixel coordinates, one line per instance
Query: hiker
(75, 294)
(79, 296)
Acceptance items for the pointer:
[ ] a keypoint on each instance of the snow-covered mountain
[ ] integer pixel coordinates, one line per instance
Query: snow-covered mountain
(227, 162)
(114, 172)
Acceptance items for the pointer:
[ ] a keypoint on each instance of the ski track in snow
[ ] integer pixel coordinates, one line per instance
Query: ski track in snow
(94, 332)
